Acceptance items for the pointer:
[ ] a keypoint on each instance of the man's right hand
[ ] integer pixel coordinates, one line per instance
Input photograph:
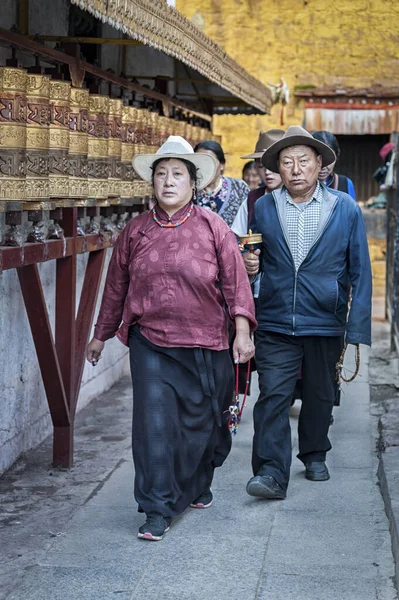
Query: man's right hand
(251, 261)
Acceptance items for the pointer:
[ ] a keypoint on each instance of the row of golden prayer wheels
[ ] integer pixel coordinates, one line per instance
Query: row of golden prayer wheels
(64, 144)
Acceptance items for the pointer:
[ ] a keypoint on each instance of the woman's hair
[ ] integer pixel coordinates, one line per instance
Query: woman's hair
(328, 138)
(214, 147)
(191, 168)
(249, 165)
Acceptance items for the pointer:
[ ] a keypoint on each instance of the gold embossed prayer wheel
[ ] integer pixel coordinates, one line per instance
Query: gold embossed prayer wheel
(78, 143)
(97, 159)
(165, 129)
(59, 139)
(142, 142)
(153, 133)
(37, 137)
(12, 133)
(129, 121)
(114, 147)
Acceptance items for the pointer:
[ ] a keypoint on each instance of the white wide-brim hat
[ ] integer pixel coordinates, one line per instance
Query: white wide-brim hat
(177, 147)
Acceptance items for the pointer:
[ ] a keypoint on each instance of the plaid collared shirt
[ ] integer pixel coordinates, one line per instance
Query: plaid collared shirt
(302, 223)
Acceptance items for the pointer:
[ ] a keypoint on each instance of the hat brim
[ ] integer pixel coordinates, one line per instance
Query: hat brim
(206, 166)
(253, 155)
(270, 156)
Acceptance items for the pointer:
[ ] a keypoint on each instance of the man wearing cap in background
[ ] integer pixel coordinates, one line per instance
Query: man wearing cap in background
(270, 181)
(314, 252)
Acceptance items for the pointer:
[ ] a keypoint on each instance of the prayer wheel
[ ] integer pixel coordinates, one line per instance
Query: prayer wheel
(153, 132)
(114, 147)
(196, 136)
(188, 133)
(142, 142)
(97, 159)
(37, 137)
(59, 139)
(165, 128)
(129, 120)
(78, 143)
(12, 133)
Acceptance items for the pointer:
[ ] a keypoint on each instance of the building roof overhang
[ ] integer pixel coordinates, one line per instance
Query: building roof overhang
(219, 79)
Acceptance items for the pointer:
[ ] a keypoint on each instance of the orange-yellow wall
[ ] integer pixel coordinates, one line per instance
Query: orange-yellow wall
(308, 42)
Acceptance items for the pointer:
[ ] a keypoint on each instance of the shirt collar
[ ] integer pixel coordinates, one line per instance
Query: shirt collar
(317, 194)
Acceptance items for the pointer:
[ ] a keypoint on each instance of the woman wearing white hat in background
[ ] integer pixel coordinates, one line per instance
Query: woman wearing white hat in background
(162, 295)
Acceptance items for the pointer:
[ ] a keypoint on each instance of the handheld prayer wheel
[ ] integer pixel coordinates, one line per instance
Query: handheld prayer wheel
(114, 147)
(97, 159)
(12, 133)
(78, 143)
(59, 139)
(37, 137)
(129, 120)
(250, 240)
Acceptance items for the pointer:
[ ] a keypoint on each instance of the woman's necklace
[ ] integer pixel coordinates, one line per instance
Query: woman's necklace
(170, 225)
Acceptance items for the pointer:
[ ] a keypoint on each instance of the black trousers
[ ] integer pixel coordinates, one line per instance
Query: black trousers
(180, 428)
(278, 359)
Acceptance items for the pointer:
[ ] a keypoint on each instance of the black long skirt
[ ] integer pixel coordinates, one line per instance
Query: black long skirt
(180, 430)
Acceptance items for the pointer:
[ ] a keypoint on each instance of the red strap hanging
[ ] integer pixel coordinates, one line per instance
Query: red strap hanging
(234, 409)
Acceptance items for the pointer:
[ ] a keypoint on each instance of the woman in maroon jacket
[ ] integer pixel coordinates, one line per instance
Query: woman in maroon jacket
(173, 270)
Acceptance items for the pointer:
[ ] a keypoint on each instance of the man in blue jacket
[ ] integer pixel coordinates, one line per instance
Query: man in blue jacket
(314, 257)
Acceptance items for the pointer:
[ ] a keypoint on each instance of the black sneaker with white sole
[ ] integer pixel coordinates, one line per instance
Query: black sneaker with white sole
(154, 528)
(204, 500)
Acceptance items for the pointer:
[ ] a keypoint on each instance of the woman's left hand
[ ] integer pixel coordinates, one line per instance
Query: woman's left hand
(243, 348)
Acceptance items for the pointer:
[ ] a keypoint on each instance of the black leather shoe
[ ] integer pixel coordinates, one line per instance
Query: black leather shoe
(316, 471)
(265, 486)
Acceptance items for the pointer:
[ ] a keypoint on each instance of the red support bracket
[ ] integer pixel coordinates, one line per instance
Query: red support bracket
(62, 360)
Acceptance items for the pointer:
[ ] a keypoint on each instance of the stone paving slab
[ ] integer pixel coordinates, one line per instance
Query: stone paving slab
(297, 587)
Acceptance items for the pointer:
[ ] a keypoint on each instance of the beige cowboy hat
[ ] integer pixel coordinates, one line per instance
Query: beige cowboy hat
(265, 139)
(177, 147)
(296, 136)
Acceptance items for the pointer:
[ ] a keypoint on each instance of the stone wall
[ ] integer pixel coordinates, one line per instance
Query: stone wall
(308, 42)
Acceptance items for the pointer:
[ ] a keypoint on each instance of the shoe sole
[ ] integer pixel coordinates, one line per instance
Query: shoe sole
(317, 478)
(262, 491)
(202, 505)
(152, 538)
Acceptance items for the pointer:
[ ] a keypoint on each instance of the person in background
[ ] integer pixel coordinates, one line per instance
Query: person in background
(223, 195)
(251, 175)
(270, 181)
(175, 278)
(327, 174)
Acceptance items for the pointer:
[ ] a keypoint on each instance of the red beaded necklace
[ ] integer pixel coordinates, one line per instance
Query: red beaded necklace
(158, 222)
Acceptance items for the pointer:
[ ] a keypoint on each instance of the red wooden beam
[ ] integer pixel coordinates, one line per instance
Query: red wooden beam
(84, 320)
(36, 309)
(30, 254)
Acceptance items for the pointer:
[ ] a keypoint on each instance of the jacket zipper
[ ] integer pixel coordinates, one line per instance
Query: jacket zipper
(295, 269)
(292, 259)
(294, 303)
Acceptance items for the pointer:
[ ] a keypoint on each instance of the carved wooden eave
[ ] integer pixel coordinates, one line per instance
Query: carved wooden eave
(160, 26)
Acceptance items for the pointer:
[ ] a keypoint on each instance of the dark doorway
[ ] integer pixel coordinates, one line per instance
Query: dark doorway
(358, 161)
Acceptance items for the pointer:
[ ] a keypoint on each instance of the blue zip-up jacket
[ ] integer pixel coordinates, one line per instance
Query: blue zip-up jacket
(314, 300)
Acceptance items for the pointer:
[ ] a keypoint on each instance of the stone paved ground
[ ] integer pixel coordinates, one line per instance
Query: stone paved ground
(67, 535)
